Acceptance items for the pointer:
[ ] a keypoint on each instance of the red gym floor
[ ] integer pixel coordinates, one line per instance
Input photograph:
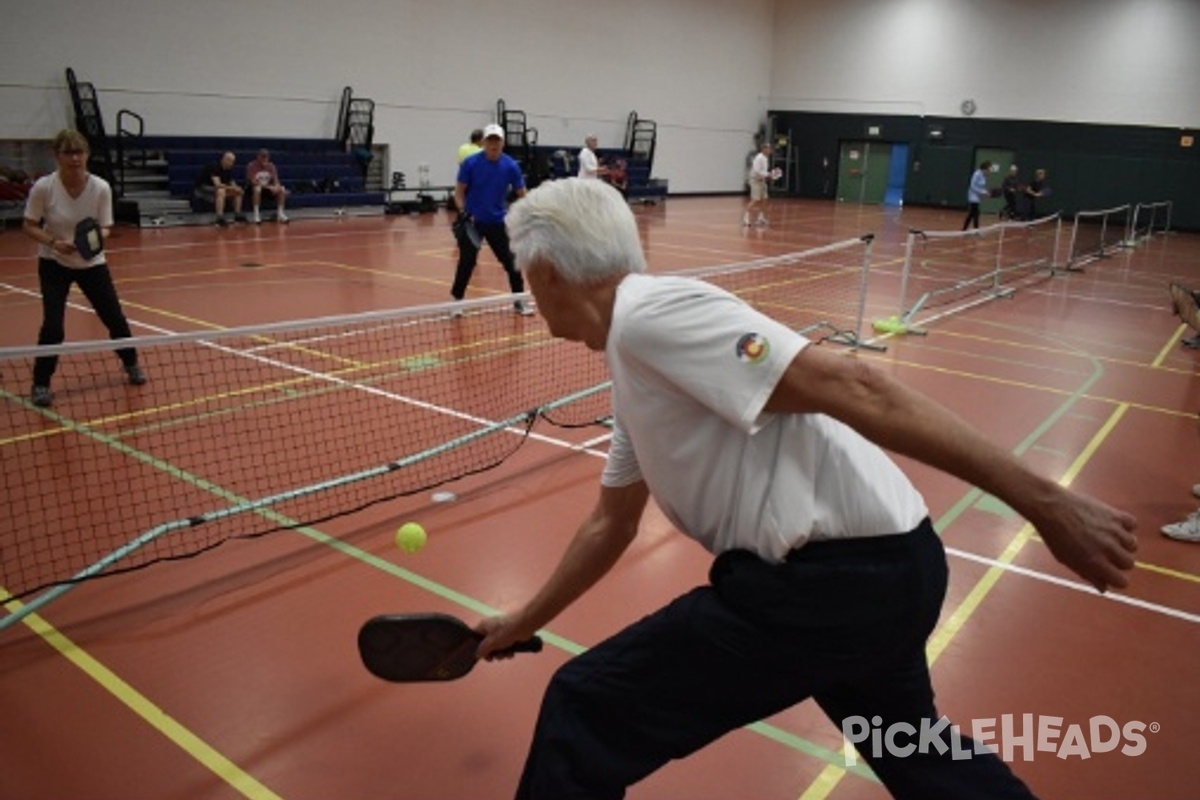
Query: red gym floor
(234, 674)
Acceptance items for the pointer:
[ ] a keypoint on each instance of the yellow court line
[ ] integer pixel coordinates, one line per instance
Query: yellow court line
(1190, 577)
(381, 272)
(190, 276)
(247, 785)
(832, 775)
(1037, 348)
(1169, 346)
(1170, 573)
(1040, 387)
(824, 783)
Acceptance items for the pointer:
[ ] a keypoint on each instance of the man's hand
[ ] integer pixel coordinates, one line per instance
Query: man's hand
(1092, 539)
(500, 633)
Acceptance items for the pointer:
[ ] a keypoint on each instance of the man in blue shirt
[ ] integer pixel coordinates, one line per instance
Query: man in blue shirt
(481, 192)
(977, 192)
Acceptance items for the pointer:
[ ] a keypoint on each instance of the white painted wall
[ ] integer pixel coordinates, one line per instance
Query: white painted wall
(1133, 62)
(705, 70)
(434, 69)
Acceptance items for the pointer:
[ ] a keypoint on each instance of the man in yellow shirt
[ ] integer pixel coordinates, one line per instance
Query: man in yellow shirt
(472, 147)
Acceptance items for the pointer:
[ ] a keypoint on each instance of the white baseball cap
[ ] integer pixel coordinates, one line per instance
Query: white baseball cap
(493, 130)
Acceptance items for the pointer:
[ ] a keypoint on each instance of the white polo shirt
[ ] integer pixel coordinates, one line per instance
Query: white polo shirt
(692, 367)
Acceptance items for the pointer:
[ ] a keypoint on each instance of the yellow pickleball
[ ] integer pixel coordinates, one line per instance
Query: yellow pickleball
(411, 537)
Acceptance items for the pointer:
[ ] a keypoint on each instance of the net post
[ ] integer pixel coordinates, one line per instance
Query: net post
(909, 245)
(868, 241)
(998, 272)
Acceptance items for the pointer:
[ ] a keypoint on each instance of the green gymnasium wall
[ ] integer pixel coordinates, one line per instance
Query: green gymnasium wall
(1090, 166)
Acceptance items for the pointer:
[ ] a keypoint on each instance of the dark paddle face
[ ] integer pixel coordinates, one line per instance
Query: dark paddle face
(88, 239)
(407, 648)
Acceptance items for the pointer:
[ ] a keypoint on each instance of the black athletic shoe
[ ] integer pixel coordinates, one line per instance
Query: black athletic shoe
(41, 396)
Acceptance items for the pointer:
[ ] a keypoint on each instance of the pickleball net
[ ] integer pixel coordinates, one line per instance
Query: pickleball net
(1097, 234)
(246, 431)
(947, 272)
(1148, 219)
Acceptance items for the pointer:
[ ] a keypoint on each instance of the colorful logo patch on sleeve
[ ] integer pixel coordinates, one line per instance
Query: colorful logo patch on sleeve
(752, 348)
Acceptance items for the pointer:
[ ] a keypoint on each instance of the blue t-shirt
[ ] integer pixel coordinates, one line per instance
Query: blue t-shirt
(488, 183)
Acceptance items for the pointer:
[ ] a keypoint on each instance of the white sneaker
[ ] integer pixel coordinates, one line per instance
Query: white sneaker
(456, 312)
(746, 221)
(522, 308)
(1186, 531)
(762, 221)
(257, 218)
(281, 218)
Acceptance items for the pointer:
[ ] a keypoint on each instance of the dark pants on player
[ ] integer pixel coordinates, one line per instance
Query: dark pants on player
(972, 216)
(496, 236)
(97, 286)
(842, 622)
(1010, 206)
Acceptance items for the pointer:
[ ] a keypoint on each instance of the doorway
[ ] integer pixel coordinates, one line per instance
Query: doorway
(1001, 160)
(872, 173)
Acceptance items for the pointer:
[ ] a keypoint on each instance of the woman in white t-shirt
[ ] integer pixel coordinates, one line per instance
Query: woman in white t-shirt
(57, 203)
(767, 449)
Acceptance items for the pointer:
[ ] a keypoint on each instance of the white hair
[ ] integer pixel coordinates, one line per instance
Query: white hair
(584, 228)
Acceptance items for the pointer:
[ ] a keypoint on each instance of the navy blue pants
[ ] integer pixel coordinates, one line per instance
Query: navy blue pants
(97, 286)
(972, 216)
(496, 237)
(844, 623)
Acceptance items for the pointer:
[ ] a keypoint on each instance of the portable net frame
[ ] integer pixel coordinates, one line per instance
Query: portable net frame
(246, 431)
(950, 271)
(1097, 234)
(1149, 219)
(820, 293)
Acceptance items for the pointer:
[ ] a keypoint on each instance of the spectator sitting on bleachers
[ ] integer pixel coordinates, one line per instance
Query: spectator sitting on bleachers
(14, 185)
(261, 175)
(215, 184)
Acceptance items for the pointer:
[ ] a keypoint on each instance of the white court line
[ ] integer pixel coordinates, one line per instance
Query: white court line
(1076, 586)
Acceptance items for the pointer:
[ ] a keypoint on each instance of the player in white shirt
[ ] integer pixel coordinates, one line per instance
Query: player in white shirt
(57, 203)
(759, 179)
(589, 164)
(765, 448)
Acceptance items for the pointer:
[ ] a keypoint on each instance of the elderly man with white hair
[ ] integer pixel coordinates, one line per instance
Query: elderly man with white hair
(768, 450)
(589, 163)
